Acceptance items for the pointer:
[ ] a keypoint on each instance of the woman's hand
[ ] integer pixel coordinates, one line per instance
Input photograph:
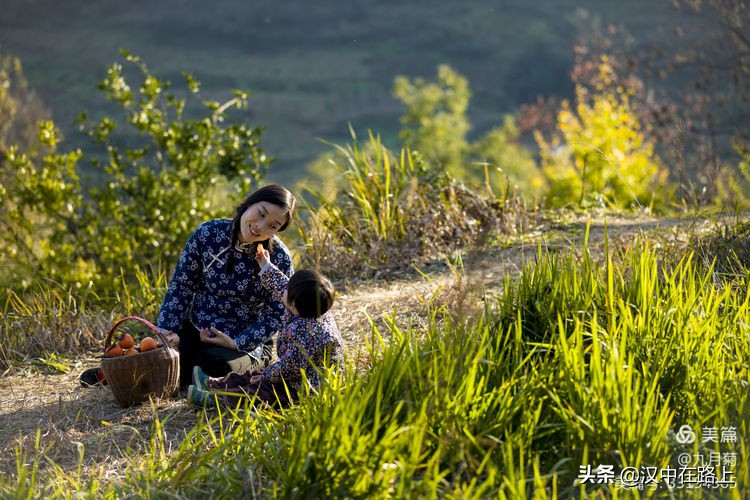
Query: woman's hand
(218, 338)
(262, 256)
(172, 337)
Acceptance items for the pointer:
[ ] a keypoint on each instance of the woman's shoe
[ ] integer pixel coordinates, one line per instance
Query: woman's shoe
(92, 376)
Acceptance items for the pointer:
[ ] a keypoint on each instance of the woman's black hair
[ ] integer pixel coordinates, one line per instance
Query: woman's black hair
(310, 293)
(272, 193)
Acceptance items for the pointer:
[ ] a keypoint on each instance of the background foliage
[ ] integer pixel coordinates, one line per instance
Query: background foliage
(314, 70)
(435, 123)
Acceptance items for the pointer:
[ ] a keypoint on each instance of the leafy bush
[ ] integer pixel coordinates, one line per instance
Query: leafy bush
(601, 157)
(159, 170)
(435, 125)
(435, 122)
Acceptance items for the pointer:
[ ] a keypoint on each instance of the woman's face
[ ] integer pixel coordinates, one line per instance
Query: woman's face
(261, 221)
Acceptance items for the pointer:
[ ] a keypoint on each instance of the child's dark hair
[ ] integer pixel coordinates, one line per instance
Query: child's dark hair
(310, 293)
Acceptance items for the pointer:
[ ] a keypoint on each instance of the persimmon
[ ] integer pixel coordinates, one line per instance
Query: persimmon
(114, 351)
(130, 351)
(148, 343)
(259, 250)
(126, 341)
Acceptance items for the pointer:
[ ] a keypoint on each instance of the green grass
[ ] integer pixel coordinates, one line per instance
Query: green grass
(583, 361)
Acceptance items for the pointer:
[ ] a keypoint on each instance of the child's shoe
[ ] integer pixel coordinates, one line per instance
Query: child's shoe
(199, 378)
(198, 397)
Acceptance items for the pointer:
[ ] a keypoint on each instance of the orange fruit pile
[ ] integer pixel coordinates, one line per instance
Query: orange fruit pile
(126, 346)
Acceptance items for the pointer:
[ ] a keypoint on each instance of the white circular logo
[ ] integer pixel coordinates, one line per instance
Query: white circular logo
(685, 435)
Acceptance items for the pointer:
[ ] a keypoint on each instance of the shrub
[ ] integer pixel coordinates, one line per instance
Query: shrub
(435, 124)
(600, 155)
(159, 170)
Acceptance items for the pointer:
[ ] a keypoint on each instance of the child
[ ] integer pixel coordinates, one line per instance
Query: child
(309, 340)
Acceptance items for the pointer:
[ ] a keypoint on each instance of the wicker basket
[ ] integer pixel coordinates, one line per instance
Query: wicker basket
(135, 378)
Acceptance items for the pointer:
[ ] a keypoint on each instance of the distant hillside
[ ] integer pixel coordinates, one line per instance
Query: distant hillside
(313, 67)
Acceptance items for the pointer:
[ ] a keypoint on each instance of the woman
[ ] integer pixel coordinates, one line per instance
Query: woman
(216, 308)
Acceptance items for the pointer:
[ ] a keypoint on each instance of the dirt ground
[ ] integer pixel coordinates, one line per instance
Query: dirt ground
(69, 419)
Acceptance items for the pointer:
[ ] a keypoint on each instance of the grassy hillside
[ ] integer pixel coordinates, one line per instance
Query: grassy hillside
(523, 373)
(314, 67)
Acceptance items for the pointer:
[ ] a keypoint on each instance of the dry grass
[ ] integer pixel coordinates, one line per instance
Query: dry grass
(70, 418)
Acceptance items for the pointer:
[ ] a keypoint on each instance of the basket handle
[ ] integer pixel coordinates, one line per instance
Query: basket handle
(164, 341)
